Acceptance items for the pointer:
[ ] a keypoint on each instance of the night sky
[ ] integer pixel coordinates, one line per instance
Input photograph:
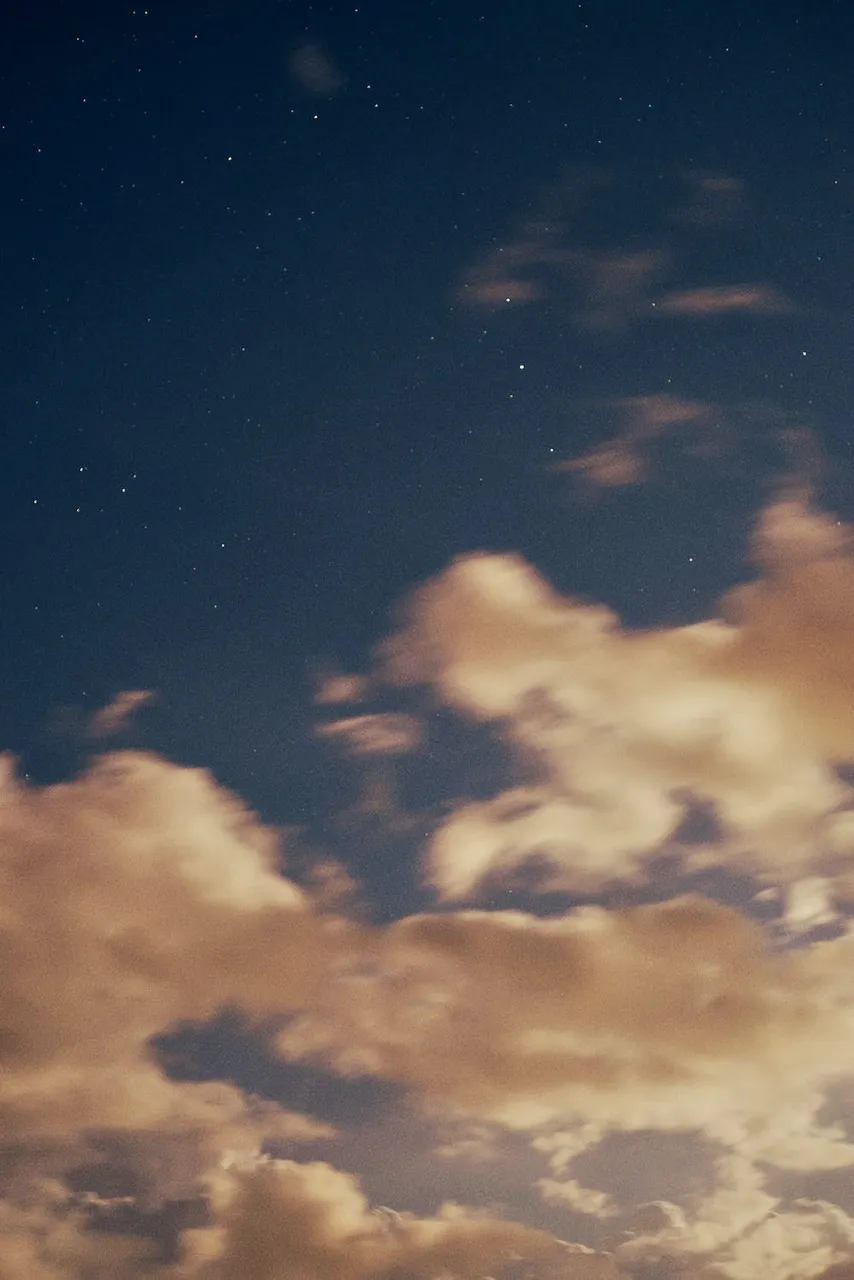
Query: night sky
(427, 618)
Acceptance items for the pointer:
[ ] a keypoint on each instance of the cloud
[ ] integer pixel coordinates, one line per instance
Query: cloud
(685, 1016)
(794, 626)
(487, 286)
(754, 299)
(280, 1218)
(116, 715)
(622, 733)
(741, 1232)
(313, 70)
(334, 687)
(674, 1016)
(141, 895)
(43, 1238)
(552, 255)
(626, 459)
(383, 734)
(134, 897)
(610, 286)
(597, 1204)
(672, 440)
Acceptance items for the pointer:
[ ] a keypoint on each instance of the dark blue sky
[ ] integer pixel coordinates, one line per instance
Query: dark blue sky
(243, 406)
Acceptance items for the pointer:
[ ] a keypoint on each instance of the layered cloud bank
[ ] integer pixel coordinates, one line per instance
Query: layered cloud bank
(140, 896)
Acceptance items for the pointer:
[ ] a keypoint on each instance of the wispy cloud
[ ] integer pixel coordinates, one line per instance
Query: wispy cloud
(715, 300)
(652, 437)
(611, 287)
(116, 716)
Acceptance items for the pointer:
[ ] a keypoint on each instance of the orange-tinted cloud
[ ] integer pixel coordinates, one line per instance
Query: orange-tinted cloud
(278, 1218)
(116, 715)
(669, 1015)
(624, 459)
(489, 287)
(626, 727)
(135, 896)
(754, 299)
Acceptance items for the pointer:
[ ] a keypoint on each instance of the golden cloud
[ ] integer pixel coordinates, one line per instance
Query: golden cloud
(134, 897)
(281, 1219)
(674, 1015)
(626, 729)
(117, 714)
(754, 299)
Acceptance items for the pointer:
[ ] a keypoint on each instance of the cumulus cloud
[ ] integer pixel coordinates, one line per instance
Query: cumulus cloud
(42, 1237)
(674, 1015)
(682, 1016)
(134, 897)
(279, 1219)
(622, 732)
(793, 627)
(140, 895)
(740, 1232)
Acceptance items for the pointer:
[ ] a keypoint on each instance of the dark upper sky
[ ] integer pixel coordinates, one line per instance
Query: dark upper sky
(243, 402)
(257, 380)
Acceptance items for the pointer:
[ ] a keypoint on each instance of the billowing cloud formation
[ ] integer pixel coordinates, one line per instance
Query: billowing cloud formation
(133, 897)
(282, 1219)
(684, 1015)
(41, 1239)
(673, 1015)
(140, 895)
(794, 627)
(624, 732)
(739, 1232)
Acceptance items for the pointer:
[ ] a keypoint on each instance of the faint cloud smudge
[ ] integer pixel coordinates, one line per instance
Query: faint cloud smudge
(313, 70)
(755, 299)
